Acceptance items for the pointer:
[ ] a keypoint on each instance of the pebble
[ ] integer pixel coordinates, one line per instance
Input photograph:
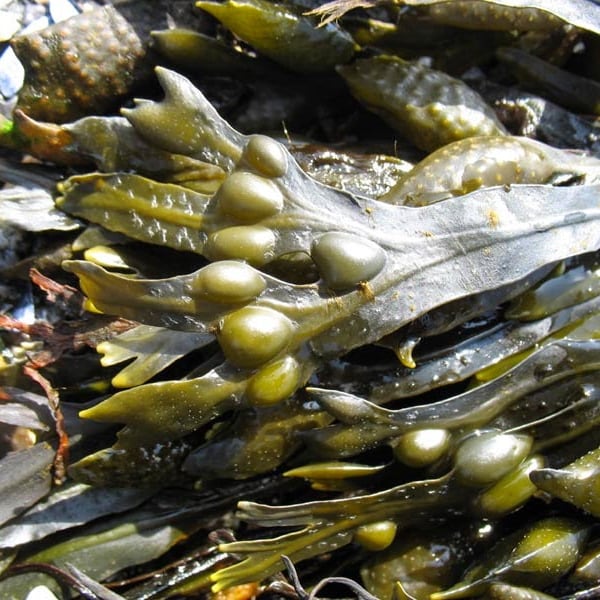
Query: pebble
(40, 592)
(12, 73)
(60, 10)
(9, 25)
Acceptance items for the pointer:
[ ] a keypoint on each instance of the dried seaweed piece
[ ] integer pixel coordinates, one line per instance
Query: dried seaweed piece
(19, 415)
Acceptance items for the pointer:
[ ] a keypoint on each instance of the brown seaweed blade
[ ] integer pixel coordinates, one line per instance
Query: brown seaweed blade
(235, 335)
(505, 15)
(381, 266)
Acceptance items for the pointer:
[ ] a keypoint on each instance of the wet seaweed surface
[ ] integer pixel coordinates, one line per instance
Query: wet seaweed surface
(300, 296)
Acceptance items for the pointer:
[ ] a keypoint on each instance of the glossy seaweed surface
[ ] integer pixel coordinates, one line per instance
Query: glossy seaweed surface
(398, 355)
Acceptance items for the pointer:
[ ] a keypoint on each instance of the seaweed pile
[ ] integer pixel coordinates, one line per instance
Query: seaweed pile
(340, 270)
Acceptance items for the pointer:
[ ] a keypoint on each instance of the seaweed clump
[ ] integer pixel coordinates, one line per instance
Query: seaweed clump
(422, 354)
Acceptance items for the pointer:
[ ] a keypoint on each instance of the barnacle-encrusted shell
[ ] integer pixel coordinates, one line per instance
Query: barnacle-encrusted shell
(248, 197)
(254, 335)
(228, 282)
(344, 259)
(80, 66)
(483, 459)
